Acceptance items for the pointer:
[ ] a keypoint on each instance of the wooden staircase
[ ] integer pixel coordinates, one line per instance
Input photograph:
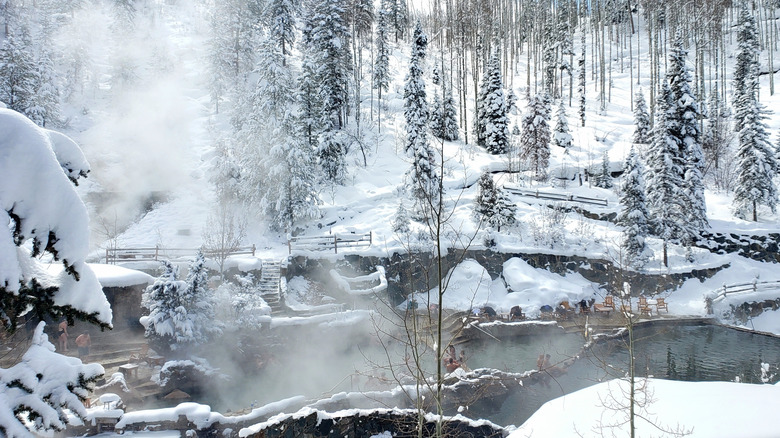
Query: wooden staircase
(270, 285)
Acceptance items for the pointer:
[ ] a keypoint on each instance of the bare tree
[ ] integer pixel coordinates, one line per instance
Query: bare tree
(225, 231)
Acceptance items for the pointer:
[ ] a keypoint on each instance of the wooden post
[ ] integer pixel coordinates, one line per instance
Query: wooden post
(253, 249)
(107, 262)
(156, 252)
(335, 244)
(370, 238)
(289, 246)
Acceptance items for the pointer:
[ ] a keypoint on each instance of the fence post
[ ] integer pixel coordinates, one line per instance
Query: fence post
(156, 252)
(107, 262)
(289, 246)
(335, 244)
(370, 238)
(253, 250)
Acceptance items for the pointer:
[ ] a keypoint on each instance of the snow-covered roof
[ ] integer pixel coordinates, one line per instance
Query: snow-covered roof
(117, 276)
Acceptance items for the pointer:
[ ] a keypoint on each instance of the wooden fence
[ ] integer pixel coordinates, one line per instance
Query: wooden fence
(556, 196)
(753, 286)
(157, 253)
(330, 241)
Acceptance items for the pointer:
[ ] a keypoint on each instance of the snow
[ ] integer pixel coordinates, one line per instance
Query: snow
(36, 189)
(117, 276)
(469, 286)
(701, 408)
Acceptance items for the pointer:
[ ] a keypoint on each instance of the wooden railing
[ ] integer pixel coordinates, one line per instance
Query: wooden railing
(556, 196)
(330, 241)
(157, 253)
(753, 286)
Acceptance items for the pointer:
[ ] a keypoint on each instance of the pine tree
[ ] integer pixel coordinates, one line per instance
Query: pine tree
(401, 221)
(200, 303)
(381, 75)
(561, 134)
(633, 212)
(331, 155)
(746, 62)
(423, 176)
(280, 16)
(18, 74)
(167, 317)
(581, 81)
(664, 183)
(642, 125)
(486, 200)
(330, 36)
(493, 122)
(492, 207)
(757, 163)
(685, 128)
(604, 178)
(535, 136)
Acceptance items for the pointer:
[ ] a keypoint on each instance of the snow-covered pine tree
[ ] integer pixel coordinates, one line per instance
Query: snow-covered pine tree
(330, 36)
(505, 211)
(581, 79)
(642, 125)
(604, 177)
(423, 175)
(633, 210)
(44, 217)
(18, 74)
(181, 313)
(167, 314)
(561, 134)
(664, 180)
(124, 15)
(311, 118)
(331, 155)
(444, 123)
(486, 200)
(757, 163)
(685, 128)
(493, 112)
(400, 17)
(200, 303)
(535, 136)
(746, 62)
(381, 74)
(401, 221)
(45, 108)
(280, 20)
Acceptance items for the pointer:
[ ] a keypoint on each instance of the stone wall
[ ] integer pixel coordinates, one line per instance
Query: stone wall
(406, 273)
(761, 248)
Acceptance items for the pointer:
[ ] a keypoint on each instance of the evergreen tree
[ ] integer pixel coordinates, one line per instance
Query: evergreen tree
(664, 175)
(18, 74)
(401, 221)
(280, 16)
(311, 118)
(381, 74)
(561, 134)
(581, 81)
(330, 36)
(124, 15)
(535, 136)
(486, 200)
(423, 176)
(757, 163)
(685, 128)
(492, 120)
(492, 207)
(633, 212)
(642, 125)
(399, 14)
(200, 303)
(167, 320)
(604, 178)
(746, 62)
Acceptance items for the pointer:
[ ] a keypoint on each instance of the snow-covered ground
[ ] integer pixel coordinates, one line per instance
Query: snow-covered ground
(159, 138)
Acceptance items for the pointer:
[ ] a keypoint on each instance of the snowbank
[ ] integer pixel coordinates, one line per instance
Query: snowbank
(117, 276)
(699, 407)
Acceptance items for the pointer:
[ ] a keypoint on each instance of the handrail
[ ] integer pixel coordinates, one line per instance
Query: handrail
(114, 255)
(330, 241)
(557, 196)
(722, 292)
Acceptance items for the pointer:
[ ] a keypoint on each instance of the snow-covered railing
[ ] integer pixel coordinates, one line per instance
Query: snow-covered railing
(346, 283)
(556, 196)
(157, 253)
(753, 286)
(330, 241)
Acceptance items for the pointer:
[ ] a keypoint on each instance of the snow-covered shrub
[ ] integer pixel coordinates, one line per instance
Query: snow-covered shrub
(240, 304)
(548, 227)
(177, 374)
